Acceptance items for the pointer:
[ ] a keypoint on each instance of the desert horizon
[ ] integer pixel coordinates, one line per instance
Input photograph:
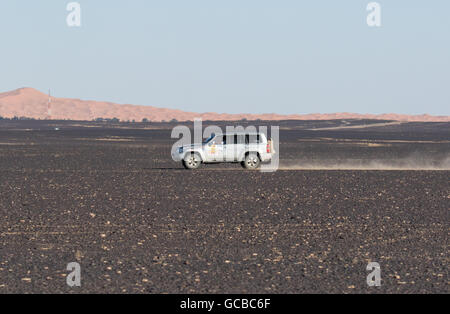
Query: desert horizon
(28, 102)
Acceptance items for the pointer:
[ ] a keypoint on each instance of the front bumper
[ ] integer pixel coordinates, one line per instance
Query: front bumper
(177, 156)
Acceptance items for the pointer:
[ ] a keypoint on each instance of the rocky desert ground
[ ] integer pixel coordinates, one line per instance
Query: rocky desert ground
(108, 196)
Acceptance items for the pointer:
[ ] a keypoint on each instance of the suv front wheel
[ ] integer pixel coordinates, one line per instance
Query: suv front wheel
(251, 161)
(192, 161)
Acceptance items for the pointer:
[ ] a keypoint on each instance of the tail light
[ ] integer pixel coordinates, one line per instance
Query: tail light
(268, 147)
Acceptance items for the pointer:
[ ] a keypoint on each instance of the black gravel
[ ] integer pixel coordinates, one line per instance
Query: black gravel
(110, 198)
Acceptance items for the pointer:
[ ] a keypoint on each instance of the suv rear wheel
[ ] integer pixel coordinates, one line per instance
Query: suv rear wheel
(192, 161)
(251, 161)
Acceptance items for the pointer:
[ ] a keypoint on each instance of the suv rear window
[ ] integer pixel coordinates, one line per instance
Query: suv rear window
(252, 139)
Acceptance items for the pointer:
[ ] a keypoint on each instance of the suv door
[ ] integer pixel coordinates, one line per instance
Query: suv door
(214, 150)
(235, 145)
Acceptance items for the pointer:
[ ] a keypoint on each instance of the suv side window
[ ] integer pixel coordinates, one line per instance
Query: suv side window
(230, 139)
(239, 139)
(234, 139)
(219, 140)
(252, 139)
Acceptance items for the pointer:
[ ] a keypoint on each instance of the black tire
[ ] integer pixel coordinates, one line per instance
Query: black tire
(192, 161)
(251, 161)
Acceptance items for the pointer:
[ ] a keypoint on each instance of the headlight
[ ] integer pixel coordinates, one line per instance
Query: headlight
(180, 150)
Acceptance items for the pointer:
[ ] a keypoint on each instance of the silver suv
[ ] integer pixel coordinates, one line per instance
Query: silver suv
(249, 149)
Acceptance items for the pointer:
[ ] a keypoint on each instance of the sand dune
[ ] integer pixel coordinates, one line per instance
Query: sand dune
(31, 103)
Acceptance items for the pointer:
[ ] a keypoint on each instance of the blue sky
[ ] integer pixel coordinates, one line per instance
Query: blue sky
(283, 56)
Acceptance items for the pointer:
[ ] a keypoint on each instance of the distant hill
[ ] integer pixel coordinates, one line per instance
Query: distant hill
(31, 103)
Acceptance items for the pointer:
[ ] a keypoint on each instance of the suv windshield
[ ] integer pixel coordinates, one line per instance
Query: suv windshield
(209, 139)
